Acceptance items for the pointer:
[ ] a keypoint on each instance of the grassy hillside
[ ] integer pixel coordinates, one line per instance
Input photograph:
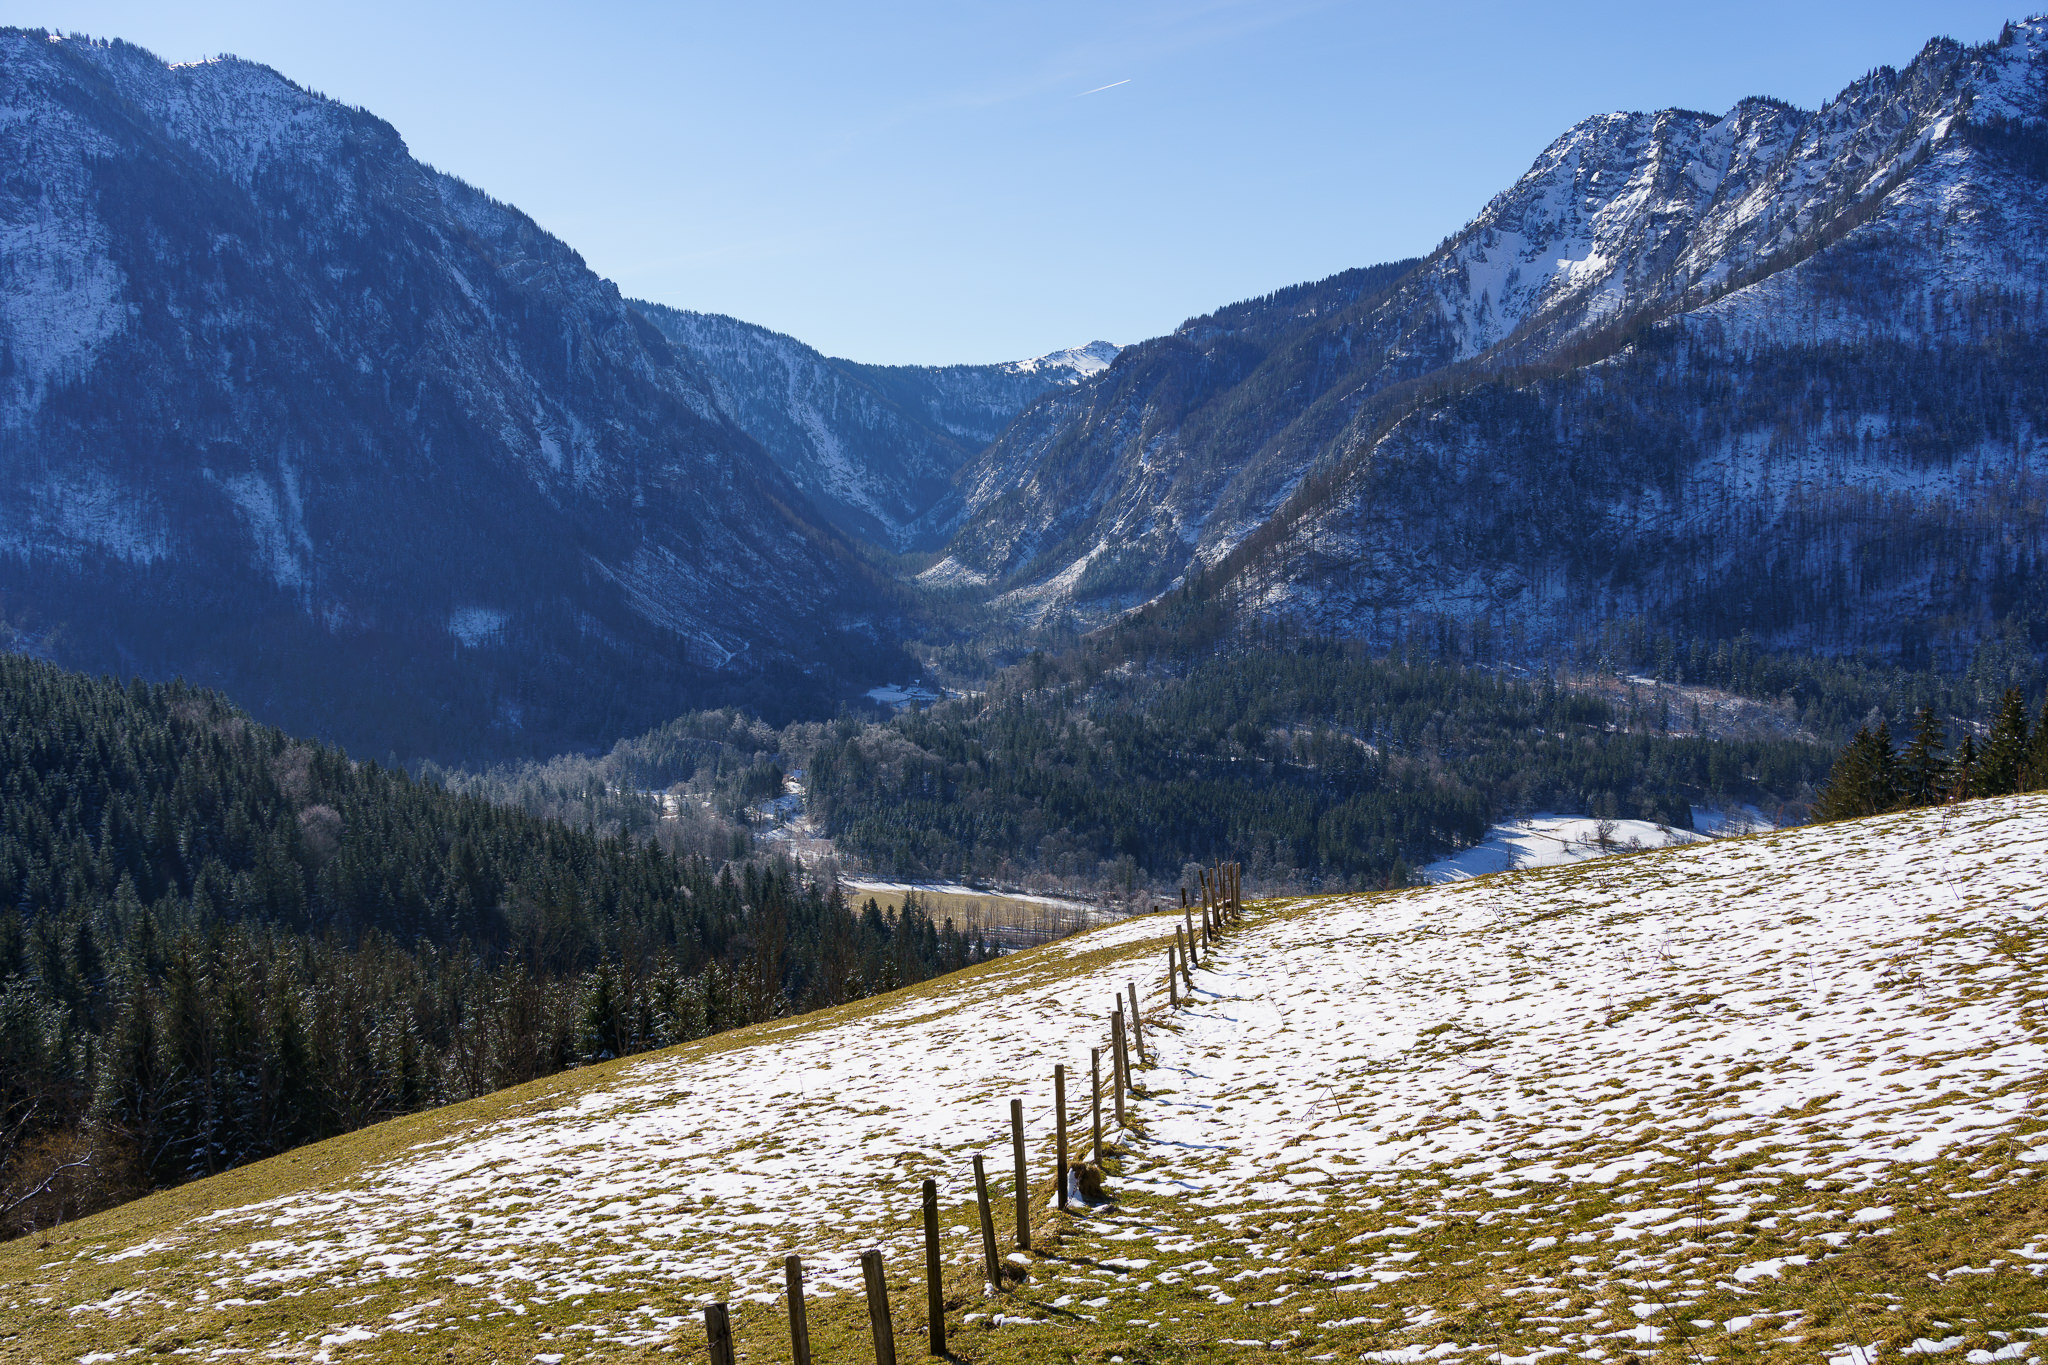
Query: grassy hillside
(1776, 1098)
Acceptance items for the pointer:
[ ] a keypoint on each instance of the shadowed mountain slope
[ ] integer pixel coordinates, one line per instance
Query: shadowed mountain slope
(1772, 369)
(287, 412)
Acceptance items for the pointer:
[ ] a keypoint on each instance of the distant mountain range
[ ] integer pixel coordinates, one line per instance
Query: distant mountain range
(294, 415)
(287, 412)
(1771, 369)
(875, 447)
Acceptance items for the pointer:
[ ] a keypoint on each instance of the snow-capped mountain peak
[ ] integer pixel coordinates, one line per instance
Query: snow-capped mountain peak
(1073, 364)
(1686, 361)
(1633, 212)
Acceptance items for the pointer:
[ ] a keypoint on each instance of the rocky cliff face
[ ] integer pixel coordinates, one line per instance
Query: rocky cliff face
(875, 447)
(286, 411)
(1773, 369)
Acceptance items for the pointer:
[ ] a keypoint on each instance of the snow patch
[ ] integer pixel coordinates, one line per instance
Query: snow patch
(475, 626)
(1078, 362)
(275, 516)
(1551, 841)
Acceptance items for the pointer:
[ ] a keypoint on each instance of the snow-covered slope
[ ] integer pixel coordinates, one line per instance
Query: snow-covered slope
(1684, 1095)
(874, 446)
(285, 411)
(1686, 361)
(1552, 841)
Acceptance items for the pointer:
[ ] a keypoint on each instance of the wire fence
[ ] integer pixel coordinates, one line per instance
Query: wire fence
(1219, 904)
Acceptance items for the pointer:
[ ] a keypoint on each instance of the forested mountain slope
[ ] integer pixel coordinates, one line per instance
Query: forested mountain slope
(218, 941)
(1770, 368)
(286, 411)
(1312, 762)
(875, 447)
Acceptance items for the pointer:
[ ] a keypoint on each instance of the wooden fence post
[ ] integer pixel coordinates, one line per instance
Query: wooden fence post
(1137, 1026)
(1119, 1046)
(1187, 954)
(1189, 951)
(934, 1288)
(1095, 1065)
(991, 1262)
(1023, 1176)
(799, 1320)
(1173, 972)
(718, 1333)
(878, 1307)
(1059, 1106)
(1119, 1061)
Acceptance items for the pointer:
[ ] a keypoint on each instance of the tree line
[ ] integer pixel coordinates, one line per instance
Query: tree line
(1309, 760)
(1871, 776)
(218, 941)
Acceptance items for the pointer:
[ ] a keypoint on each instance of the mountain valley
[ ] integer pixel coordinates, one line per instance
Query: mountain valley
(346, 437)
(284, 411)
(503, 782)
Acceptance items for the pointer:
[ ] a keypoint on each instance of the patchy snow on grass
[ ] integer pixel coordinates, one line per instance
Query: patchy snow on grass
(709, 1169)
(900, 695)
(1826, 967)
(1652, 1092)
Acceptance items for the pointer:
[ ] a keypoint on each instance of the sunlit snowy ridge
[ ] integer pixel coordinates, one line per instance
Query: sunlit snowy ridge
(1681, 1077)
(1618, 336)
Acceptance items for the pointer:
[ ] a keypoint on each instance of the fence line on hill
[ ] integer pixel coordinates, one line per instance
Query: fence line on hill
(1220, 900)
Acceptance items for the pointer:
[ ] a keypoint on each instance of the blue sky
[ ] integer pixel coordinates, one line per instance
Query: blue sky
(974, 180)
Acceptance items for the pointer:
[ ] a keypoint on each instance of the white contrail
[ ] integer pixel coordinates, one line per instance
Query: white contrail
(1100, 88)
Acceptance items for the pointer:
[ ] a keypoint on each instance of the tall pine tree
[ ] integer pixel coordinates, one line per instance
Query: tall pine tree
(1865, 778)
(1923, 771)
(2004, 758)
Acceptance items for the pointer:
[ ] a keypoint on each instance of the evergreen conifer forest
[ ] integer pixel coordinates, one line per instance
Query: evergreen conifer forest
(1871, 776)
(219, 942)
(1313, 762)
